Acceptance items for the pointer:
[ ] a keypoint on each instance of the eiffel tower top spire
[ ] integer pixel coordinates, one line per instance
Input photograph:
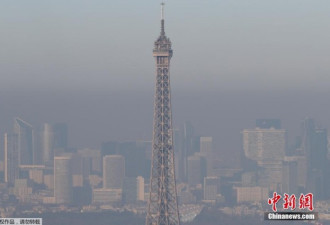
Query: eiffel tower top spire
(163, 43)
(162, 32)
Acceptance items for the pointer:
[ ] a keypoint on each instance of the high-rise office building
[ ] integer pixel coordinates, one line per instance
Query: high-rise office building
(318, 157)
(307, 131)
(267, 147)
(249, 179)
(140, 188)
(206, 146)
(301, 171)
(62, 179)
(134, 153)
(22, 190)
(206, 149)
(251, 194)
(196, 169)
(60, 136)
(113, 171)
(318, 164)
(211, 186)
(290, 176)
(11, 158)
(314, 147)
(47, 144)
(264, 144)
(92, 161)
(187, 149)
(162, 204)
(49, 181)
(178, 144)
(130, 190)
(25, 138)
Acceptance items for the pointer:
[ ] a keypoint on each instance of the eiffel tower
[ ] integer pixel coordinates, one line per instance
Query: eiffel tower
(162, 204)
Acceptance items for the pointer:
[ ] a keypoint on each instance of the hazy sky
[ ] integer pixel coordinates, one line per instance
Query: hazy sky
(218, 44)
(223, 49)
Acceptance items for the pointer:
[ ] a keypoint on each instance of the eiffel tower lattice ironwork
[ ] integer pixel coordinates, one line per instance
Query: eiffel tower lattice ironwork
(162, 205)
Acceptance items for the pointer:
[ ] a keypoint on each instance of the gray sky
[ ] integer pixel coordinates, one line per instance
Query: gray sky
(218, 44)
(234, 62)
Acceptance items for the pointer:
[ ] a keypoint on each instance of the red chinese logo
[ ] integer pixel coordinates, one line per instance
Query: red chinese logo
(289, 201)
(273, 201)
(305, 201)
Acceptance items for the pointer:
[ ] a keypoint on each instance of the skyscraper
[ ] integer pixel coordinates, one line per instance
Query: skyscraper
(62, 179)
(60, 133)
(187, 149)
(47, 144)
(289, 176)
(24, 132)
(196, 169)
(206, 146)
(130, 190)
(267, 147)
(11, 158)
(206, 150)
(320, 149)
(140, 188)
(211, 185)
(113, 171)
(314, 147)
(263, 145)
(162, 204)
